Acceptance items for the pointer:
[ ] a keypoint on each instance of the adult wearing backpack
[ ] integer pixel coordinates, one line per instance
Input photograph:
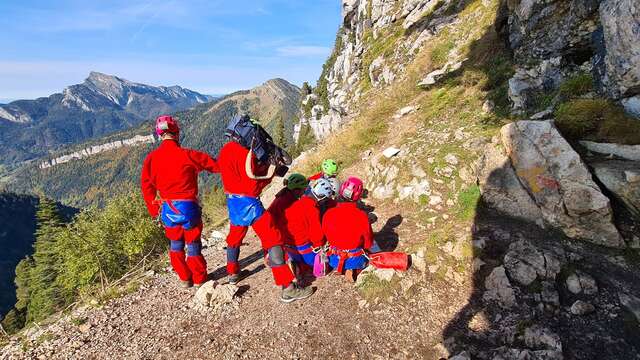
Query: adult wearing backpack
(243, 179)
(171, 172)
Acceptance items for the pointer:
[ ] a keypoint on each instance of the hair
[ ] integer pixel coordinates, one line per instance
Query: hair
(169, 136)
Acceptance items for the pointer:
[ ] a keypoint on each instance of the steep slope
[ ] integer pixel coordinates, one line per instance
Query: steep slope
(91, 176)
(102, 104)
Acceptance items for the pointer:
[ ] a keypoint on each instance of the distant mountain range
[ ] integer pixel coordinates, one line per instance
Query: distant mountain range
(93, 171)
(101, 105)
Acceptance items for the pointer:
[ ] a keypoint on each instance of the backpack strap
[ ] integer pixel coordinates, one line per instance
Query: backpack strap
(249, 170)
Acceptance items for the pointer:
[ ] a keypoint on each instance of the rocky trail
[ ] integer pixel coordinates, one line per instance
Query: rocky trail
(162, 321)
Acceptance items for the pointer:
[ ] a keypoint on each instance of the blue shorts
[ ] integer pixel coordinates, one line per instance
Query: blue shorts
(351, 263)
(181, 213)
(301, 254)
(244, 210)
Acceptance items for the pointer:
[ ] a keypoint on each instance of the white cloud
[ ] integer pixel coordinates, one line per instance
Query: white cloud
(302, 50)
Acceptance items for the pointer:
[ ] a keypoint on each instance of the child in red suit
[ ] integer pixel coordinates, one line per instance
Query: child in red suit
(348, 231)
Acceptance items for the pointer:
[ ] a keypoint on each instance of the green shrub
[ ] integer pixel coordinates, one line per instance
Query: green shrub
(598, 120)
(88, 255)
(576, 86)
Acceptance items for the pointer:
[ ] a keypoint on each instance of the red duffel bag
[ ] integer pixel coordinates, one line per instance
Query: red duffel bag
(390, 260)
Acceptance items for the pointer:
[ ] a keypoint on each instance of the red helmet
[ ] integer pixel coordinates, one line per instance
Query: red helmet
(352, 189)
(167, 124)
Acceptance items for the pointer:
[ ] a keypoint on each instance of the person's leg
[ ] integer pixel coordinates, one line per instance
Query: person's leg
(234, 240)
(195, 261)
(272, 243)
(175, 234)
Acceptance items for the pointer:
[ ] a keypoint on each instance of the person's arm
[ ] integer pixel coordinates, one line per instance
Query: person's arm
(148, 188)
(368, 234)
(203, 161)
(316, 235)
(249, 169)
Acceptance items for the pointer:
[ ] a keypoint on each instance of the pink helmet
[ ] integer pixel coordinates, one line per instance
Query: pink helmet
(167, 124)
(352, 189)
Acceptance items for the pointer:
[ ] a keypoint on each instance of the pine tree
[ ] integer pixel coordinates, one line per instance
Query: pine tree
(44, 296)
(306, 89)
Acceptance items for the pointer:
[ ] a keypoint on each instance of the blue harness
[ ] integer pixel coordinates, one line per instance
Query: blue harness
(244, 210)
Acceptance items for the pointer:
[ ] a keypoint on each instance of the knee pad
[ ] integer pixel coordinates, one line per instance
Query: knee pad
(233, 253)
(177, 245)
(276, 256)
(194, 248)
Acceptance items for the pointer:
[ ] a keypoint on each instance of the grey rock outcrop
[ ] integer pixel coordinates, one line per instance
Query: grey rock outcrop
(581, 283)
(628, 152)
(525, 263)
(501, 189)
(566, 37)
(622, 179)
(559, 182)
(498, 288)
(620, 22)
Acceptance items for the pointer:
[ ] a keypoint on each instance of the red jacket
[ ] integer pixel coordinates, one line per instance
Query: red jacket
(173, 171)
(316, 176)
(235, 180)
(347, 227)
(283, 200)
(303, 223)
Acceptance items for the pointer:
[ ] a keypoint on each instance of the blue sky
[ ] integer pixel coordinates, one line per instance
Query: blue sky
(211, 46)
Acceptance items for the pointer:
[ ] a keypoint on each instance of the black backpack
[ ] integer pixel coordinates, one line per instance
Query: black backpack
(252, 136)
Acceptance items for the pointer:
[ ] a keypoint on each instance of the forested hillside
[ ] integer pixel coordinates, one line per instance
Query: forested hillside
(95, 179)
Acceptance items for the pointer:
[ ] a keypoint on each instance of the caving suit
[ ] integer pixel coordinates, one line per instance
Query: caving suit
(303, 230)
(171, 172)
(246, 209)
(348, 232)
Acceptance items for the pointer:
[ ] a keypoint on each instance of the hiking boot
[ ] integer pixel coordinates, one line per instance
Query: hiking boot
(294, 292)
(234, 279)
(185, 284)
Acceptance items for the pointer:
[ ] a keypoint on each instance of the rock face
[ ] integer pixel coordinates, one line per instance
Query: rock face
(363, 23)
(102, 104)
(620, 23)
(501, 187)
(525, 263)
(553, 39)
(628, 152)
(499, 288)
(559, 182)
(622, 179)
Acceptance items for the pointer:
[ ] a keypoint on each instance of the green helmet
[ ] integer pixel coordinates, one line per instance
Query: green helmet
(297, 181)
(329, 167)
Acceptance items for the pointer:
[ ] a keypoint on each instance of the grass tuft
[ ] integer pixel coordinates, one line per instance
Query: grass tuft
(597, 120)
(468, 200)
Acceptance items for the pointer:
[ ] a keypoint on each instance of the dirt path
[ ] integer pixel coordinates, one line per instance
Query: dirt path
(159, 321)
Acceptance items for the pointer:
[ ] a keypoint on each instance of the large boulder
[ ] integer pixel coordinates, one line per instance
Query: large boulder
(559, 182)
(622, 179)
(628, 152)
(501, 189)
